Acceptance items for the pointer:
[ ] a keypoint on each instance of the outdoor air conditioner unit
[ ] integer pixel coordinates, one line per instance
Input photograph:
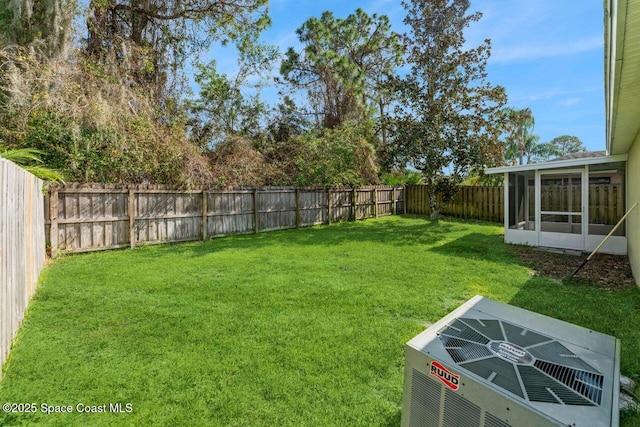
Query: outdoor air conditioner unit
(494, 365)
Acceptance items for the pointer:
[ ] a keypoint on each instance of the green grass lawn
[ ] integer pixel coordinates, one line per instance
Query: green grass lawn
(298, 327)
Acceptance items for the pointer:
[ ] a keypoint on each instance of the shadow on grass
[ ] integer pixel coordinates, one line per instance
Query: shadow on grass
(394, 419)
(478, 246)
(388, 231)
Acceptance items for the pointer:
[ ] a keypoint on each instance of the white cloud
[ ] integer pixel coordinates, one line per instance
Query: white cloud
(569, 94)
(524, 53)
(568, 102)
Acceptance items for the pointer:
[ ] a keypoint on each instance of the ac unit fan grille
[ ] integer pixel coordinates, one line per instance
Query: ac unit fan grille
(525, 363)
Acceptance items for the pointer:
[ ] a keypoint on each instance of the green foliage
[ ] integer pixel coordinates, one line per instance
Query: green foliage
(30, 160)
(90, 128)
(566, 144)
(236, 162)
(43, 25)
(223, 108)
(330, 157)
(337, 157)
(521, 143)
(6, 15)
(401, 177)
(134, 150)
(480, 179)
(449, 114)
(287, 121)
(155, 38)
(343, 65)
(519, 125)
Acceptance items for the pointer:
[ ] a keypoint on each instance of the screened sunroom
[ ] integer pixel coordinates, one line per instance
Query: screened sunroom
(568, 204)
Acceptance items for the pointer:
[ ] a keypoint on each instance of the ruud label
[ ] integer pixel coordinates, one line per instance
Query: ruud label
(449, 379)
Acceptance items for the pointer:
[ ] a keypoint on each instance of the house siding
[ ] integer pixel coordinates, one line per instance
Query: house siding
(633, 220)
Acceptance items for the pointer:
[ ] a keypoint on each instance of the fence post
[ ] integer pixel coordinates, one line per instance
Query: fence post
(205, 218)
(255, 210)
(53, 222)
(297, 208)
(328, 205)
(375, 203)
(404, 198)
(353, 204)
(132, 218)
(393, 201)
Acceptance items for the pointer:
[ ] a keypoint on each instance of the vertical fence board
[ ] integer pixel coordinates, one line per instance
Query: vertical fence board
(104, 216)
(22, 247)
(487, 203)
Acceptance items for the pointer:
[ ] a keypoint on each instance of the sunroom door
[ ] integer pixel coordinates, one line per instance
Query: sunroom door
(562, 204)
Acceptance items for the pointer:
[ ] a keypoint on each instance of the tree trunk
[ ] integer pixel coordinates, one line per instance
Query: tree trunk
(383, 124)
(97, 28)
(434, 210)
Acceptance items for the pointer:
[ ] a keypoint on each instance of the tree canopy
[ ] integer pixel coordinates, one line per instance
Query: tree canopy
(567, 144)
(155, 37)
(343, 65)
(522, 144)
(448, 119)
(114, 104)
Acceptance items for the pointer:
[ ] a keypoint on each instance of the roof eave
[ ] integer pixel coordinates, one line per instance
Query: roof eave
(559, 164)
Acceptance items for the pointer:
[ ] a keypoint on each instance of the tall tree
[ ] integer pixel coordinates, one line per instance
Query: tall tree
(543, 152)
(44, 25)
(519, 124)
(231, 105)
(343, 65)
(155, 37)
(567, 144)
(449, 114)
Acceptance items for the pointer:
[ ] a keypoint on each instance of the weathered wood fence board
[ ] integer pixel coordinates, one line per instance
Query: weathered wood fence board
(22, 247)
(102, 216)
(487, 203)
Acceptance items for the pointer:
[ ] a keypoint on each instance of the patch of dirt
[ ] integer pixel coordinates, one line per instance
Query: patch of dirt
(606, 271)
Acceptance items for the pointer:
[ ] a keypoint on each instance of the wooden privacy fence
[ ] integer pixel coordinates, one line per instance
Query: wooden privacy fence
(606, 201)
(22, 247)
(485, 203)
(92, 217)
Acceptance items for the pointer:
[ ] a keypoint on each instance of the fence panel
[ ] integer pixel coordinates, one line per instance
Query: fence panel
(229, 213)
(487, 203)
(276, 209)
(22, 247)
(341, 205)
(312, 205)
(89, 217)
(364, 203)
(480, 202)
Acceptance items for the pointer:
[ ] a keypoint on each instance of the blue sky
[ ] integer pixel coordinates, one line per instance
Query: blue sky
(548, 54)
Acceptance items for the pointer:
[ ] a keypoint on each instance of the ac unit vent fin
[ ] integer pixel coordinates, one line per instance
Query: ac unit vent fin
(493, 421)
(520, 361)
(542, 388)
(587, 384)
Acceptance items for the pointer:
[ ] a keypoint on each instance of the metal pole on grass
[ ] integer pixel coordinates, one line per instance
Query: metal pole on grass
(602, 243)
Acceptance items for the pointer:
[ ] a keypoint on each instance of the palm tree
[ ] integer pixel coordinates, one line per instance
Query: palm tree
(531, 146)
(26, 157)
(519, 124)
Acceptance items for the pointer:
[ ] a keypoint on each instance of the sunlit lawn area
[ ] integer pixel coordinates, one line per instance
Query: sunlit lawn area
(299, 327)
